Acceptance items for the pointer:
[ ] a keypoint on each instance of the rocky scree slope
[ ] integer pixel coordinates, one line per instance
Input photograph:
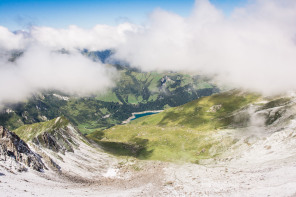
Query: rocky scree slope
(64, 149)
(75, 166)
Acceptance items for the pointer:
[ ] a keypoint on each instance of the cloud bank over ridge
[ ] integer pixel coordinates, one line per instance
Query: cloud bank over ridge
(253, 48)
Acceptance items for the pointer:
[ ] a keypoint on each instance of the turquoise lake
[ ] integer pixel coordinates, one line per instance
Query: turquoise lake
(143, 114)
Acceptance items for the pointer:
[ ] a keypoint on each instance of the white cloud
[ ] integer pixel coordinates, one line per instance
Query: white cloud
(100, 37)
(40, 69)
(10, 41)
(254, 48)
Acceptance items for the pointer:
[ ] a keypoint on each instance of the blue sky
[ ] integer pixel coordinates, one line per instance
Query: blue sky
(20, 14)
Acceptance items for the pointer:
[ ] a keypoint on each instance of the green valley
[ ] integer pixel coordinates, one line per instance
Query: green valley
(135, 91)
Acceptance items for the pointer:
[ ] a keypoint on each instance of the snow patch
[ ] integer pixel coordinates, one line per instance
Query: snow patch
(111, 172)
(65, 98)
(9, 111)
(107, 116)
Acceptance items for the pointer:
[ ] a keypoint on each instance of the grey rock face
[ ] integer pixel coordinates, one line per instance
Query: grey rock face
(12, 146)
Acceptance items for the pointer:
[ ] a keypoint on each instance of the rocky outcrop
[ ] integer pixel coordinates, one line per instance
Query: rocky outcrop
(48, 141)
(57, 135)
(15, 148)
(214, 108)
(58, 140)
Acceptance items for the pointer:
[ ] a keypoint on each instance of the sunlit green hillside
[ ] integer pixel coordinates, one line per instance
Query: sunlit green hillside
(184, 133)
